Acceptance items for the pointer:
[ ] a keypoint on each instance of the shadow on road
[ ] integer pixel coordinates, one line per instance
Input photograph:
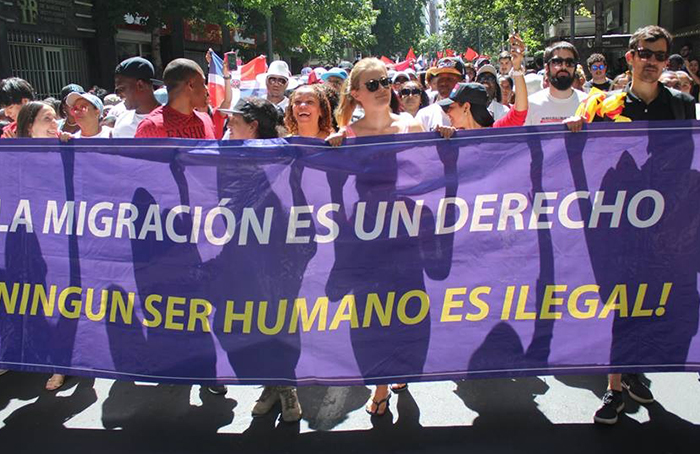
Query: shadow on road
(160, 419)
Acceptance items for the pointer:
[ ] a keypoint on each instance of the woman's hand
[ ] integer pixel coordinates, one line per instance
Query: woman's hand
(64, 136)
(445, 131)
(517, 51)
(336, 139)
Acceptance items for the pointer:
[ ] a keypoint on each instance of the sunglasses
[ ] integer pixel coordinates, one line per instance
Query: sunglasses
(597, 67)
(646, 54)
(409, 92)
(373, 84)
(277, 80)
(558, 61)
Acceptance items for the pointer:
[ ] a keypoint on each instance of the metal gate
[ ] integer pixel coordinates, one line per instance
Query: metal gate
(48, 62)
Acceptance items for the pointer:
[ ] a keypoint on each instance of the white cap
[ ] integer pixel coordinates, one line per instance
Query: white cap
(278, 68)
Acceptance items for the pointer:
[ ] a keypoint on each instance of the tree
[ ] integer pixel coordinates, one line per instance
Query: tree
(489, 22)
(430, 45)
(398, 27)
(308, 28)
(154, 15)
(326, 28)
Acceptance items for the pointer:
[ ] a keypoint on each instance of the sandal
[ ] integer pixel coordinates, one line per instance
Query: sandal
(399, 388)
(385, 402)
(55, 382)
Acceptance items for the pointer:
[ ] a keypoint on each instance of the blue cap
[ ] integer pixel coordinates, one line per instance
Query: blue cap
(334, 72)
(89, 97)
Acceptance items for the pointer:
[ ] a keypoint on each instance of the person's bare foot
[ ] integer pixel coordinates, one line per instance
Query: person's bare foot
(55, 382)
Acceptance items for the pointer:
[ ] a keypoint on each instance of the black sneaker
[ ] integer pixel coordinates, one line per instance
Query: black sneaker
(636, 389)
(612, 405)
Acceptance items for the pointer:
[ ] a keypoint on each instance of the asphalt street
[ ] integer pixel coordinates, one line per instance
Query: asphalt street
(523, 415)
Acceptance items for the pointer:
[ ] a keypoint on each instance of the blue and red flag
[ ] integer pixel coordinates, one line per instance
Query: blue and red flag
(215, 81)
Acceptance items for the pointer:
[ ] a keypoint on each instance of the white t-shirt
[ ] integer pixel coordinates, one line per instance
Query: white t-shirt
(103, 134)
(125, 127)
(432, 116)
(116, 111)
(497, 109)
(543, 108)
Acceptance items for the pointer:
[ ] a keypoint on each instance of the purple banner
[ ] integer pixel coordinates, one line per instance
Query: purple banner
(517, 251)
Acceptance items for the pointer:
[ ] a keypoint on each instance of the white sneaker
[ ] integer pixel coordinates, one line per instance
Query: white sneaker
(266, 401)
(291, 410)
(3, 371)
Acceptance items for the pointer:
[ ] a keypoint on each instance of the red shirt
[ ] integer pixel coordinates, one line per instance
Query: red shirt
(512, 118)
(165, 121)
(11, 127)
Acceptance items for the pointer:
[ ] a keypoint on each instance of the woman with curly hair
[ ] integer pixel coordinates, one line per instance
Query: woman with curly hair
(309, 113)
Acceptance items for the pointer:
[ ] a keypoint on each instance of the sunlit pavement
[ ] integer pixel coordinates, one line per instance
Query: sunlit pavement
(531, 415)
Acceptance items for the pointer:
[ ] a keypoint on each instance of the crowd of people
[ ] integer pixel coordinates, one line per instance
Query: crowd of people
(370, 98)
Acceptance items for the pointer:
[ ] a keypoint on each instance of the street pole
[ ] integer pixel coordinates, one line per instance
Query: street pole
(268, 19)
(572, 22)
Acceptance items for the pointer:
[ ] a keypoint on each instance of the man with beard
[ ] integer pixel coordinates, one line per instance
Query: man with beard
(559, 101)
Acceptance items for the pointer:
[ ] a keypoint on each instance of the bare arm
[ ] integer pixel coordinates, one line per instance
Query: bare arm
(517, 53)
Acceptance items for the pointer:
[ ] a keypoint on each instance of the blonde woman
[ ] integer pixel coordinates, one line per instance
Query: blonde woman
(369, 88)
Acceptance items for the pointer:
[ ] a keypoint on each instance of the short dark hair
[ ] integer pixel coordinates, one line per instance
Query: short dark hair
(27, 115)
(505, 54)
(676, 58)
(180, 70)
(595, 58)
(650, 33)
(13, 90)
(266, 114)
(561, 45)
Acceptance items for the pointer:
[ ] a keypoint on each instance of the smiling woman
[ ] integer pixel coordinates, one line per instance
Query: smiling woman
(309, 113)
(38, 120)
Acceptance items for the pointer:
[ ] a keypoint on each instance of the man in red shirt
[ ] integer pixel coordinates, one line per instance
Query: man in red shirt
(187, 91)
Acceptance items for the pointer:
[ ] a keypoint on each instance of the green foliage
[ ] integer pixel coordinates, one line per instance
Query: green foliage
(318, 28)
(326, 28)
(399, 26)
(489, 22)
(430, 45)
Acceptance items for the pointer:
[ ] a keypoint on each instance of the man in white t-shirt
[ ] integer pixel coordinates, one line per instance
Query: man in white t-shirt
(559, 101)
(449, 72)
(133, 82)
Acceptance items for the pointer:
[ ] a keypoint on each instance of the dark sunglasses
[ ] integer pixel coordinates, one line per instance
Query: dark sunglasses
(558, 61)
(373, 84)
(646, 54)
(409, 91)
(597, 67)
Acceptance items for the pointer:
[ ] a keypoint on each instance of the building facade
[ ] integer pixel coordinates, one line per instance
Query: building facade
(52, 43)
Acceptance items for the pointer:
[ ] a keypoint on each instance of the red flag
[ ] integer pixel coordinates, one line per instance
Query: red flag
(439, 54)
(386, 60)
(403, 65)
(449, 52)
(410, 55)
(256, 66)
(470, 54)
